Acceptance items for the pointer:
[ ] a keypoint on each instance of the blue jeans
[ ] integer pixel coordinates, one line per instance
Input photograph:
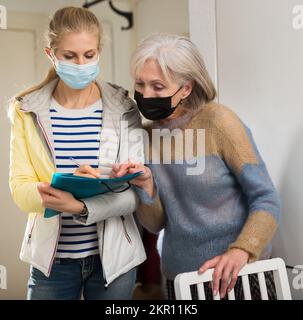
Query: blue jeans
(72, 278)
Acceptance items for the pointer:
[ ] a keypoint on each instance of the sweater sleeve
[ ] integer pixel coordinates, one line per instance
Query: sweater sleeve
(240, 154)
(150, 212)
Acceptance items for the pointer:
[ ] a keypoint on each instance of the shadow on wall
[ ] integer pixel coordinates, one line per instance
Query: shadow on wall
(289, 238)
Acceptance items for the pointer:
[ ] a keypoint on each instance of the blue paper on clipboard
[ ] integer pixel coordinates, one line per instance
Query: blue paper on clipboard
(82, 188)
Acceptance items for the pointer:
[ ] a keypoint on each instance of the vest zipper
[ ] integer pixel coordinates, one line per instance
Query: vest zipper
(102, 254)
(127, 236)
(29, 237)
(59, 229)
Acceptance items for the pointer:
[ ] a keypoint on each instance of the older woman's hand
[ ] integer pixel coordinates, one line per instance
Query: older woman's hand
(227, 268)
(143, 181)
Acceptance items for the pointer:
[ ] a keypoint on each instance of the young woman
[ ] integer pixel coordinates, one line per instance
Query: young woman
(93, 247)
(221, 217)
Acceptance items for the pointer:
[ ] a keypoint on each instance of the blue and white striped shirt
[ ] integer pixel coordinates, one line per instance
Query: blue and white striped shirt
(76, 133)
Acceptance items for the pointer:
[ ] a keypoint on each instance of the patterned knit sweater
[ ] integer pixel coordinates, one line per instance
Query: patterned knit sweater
(232, 204)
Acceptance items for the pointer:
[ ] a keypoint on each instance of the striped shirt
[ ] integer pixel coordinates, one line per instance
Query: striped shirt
(76, 134)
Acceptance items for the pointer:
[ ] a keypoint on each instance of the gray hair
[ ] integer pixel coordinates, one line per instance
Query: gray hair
(180, 61)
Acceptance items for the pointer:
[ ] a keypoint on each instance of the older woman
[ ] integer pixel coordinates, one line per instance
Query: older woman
(221, 217)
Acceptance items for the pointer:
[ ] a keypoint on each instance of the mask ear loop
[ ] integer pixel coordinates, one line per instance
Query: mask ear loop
(52, 57)
(177, 91)
(180, 102)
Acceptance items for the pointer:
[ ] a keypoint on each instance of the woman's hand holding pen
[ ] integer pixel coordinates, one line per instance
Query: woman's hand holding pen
(58, 200)
(85, 170)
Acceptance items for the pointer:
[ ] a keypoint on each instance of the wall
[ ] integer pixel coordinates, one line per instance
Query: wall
(203, 32)
(161, 16)
(259, 71)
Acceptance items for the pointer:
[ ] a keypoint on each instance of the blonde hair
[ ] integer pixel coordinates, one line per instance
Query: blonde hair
(180, 61)
(64, 21)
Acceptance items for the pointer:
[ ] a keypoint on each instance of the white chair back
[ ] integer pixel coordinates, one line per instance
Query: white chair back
(183, 281)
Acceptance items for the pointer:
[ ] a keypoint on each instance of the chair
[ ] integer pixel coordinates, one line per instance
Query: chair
(183, 281)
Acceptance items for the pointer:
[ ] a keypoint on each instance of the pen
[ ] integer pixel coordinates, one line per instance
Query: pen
(74, 161)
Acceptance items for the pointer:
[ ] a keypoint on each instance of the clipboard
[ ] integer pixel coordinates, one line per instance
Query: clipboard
(81, 187)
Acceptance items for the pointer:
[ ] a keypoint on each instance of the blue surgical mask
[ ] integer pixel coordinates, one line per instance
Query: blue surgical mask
(77, 76)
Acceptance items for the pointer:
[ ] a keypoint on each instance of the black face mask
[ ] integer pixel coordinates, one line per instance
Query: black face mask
(157, 108)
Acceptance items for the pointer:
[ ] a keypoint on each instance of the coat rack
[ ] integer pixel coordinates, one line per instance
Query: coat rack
(126, 15)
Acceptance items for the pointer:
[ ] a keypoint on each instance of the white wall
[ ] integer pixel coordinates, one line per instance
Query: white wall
(203, 32)
(169, 16)
(259, 72)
